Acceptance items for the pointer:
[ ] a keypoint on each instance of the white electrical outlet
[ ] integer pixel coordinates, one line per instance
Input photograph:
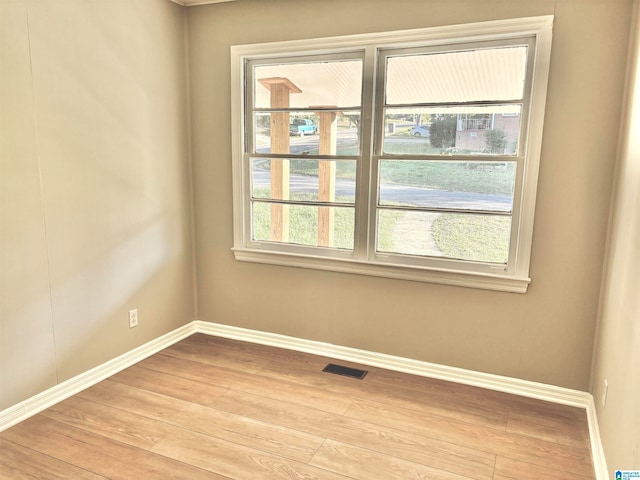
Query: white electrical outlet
(605, 390)
(133, 318)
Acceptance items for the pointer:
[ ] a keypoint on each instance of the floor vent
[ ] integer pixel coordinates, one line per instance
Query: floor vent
(345, 371)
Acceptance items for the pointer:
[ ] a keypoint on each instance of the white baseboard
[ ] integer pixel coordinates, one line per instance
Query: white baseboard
(575, 398)
(27, 408)
(540, 391)
(597, 451)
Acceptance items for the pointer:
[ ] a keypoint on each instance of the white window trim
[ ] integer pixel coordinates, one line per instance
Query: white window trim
(516, 282)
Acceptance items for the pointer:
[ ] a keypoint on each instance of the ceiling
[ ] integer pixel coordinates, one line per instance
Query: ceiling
(191, 3)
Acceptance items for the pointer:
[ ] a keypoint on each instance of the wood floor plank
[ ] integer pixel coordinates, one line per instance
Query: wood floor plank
(502, 404)
(219, 357)
(435, 387)
(189, 369)
(549, 428)
(528, 449)
(507, 468)
(265, 352)
(221, 424)
(175, 386)
(425, 423)
(477, 405)
(236, 461)
(98, 454)
(108, 421)
(313, 397)
(409, 446)
(251, 383)
(363, 464)
(21, 463)
(543, 410)
(315, 378)
(445, 405)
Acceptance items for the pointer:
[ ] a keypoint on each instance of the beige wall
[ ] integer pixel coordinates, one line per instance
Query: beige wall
(545, 335)
(617, 357)
(94, 182)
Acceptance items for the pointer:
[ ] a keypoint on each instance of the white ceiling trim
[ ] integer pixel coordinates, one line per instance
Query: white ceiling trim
(193, 3)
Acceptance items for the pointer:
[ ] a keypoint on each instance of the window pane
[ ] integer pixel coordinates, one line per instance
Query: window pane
(451, 185)
(303, 225)
(455, 77)
(336, 179)
(308, 84)
(305, 133)
(478, 238)
(490, 130)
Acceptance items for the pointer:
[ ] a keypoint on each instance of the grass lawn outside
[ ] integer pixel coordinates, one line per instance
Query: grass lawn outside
(303, 223)
(480, 238)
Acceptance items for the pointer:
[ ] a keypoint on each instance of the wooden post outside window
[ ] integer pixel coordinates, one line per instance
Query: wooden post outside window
(327, 176)
(280, 89)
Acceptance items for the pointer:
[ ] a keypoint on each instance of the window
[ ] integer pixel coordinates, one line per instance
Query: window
(409, 155)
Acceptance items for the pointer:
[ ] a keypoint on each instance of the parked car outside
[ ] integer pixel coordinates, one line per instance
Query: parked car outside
(419, 131)
(302, 127)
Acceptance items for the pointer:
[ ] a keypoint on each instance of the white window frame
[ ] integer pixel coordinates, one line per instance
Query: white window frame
(364, 259)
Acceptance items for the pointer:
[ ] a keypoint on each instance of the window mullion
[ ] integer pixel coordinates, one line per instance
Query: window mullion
(479, 103)
(378, 128)
(452, 158)
(469, 211)
(364, 216)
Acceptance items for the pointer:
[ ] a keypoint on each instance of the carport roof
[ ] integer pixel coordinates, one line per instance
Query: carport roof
(490, 74)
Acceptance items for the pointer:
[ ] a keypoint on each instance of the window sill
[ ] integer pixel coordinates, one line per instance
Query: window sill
(501, 283)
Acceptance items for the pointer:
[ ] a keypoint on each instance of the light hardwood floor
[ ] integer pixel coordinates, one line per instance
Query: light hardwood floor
(213, 408)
